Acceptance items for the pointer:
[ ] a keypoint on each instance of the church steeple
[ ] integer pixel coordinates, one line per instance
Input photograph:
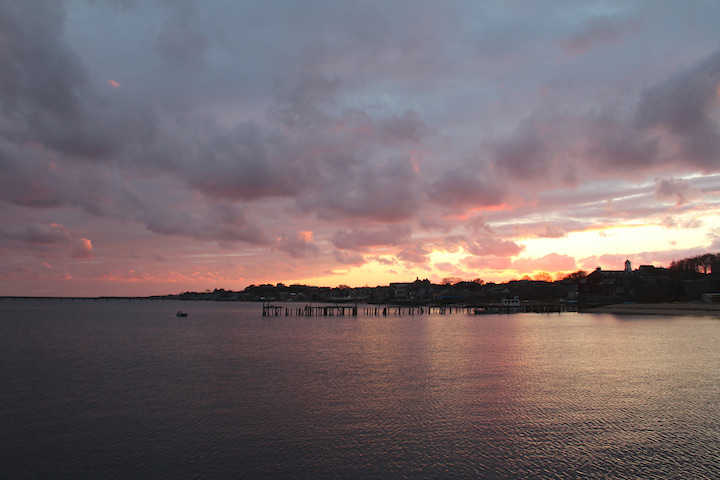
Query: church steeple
(628, 266)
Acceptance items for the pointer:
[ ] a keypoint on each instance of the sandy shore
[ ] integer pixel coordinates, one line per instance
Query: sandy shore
(692, 309)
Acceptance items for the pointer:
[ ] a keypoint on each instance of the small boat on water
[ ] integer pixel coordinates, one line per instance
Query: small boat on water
(481, 311)
(181, 314)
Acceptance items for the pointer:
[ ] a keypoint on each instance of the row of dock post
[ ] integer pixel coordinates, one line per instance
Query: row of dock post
(271, 310)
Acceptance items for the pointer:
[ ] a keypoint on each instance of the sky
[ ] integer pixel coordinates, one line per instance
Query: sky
(156, 147)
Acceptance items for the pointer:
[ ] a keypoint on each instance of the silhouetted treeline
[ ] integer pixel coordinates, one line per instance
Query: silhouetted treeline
(699, 264)
(685, 280)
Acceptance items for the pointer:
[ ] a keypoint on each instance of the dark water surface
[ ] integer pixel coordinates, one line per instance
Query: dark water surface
(107, 389)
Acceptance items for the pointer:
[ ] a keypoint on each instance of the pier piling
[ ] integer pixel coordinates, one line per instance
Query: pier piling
(309, 310)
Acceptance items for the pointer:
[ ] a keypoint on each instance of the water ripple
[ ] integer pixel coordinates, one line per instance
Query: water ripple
(127, 391)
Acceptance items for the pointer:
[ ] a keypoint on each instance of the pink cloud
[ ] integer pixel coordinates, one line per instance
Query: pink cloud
(494, 246)
(413, 254)
(82, 249)
(445, 267)
(606, 262)
(348, 258)
(552, 262)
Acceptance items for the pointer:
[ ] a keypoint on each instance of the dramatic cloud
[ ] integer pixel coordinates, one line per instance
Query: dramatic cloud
(683, 106)
(196, 141)
(674, 123)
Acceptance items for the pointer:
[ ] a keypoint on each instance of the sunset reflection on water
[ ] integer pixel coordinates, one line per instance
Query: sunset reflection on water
(130, 390)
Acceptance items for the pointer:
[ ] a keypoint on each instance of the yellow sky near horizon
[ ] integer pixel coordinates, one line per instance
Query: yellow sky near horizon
(629, 240)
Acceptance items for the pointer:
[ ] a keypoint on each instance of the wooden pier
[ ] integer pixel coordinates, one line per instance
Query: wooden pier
(309, 310)
(271, 310)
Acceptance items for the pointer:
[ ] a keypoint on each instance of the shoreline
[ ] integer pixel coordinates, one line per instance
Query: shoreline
(671, 309)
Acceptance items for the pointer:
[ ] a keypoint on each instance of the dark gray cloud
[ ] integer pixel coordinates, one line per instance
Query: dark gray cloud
(683, 106)
(48, 241)
(181, 46)
(41, 234)
(33, 178)
(526, 155)
(386, 192)
(298, 245)
(468, 185)
(41, 77)
(238, 165)
(224, 224)
(673, 125)
(598, 31)
(365, 238)
(47, 94)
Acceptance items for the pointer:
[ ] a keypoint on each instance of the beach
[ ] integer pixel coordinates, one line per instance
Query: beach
(690, 309)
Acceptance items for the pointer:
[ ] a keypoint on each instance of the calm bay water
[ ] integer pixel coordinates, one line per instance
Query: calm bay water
(107, 389)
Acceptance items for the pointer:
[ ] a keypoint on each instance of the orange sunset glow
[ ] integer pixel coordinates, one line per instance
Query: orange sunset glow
(352, 145)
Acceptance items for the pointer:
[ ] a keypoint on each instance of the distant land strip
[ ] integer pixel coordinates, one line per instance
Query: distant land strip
(672, 309)
(45, 297)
